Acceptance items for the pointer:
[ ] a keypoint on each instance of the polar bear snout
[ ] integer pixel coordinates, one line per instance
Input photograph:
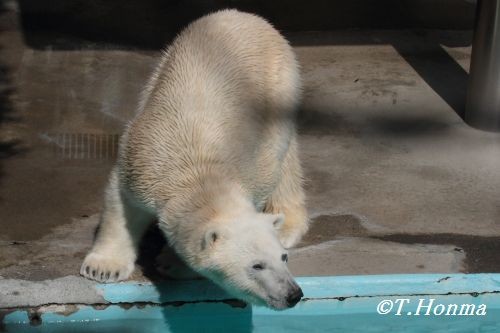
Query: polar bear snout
(282, 292)
(294, 296)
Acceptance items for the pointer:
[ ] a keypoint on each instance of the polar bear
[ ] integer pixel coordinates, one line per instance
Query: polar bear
(212, 155)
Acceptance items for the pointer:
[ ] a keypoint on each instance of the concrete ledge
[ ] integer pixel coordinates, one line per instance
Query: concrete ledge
(74, 290)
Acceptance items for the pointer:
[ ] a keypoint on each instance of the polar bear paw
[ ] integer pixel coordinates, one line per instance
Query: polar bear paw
(106, 268)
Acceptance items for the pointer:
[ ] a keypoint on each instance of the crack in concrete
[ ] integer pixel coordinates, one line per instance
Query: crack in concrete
(343, 298)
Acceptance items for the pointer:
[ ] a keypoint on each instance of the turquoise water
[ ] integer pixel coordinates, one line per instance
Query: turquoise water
(360, 323)
(350, 315)
(331, 304)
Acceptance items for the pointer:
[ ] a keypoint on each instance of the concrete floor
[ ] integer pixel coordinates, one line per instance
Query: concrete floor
(396, 182)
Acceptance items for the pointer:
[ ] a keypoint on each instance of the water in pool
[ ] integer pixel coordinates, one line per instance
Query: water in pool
(328, 315)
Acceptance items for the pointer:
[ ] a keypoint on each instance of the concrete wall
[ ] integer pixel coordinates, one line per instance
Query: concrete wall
(151, 23)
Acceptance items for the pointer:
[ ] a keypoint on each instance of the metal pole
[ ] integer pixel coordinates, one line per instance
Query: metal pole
(483, 96)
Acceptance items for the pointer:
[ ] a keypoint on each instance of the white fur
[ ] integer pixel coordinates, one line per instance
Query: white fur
(212, 151)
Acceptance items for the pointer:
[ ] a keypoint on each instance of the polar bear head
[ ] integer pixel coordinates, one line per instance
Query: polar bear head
(244, 256)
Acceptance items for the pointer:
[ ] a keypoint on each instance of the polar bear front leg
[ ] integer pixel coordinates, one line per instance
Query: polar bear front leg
(288, 198)
(122, 226)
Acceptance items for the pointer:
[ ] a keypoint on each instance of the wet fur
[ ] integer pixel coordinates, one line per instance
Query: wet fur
(213, 141)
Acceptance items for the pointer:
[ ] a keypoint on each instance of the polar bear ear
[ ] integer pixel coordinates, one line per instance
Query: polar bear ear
(210, 238)
(277, 220)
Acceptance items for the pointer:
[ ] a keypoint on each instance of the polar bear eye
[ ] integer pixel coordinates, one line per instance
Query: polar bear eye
(284, 257)
(258, 267)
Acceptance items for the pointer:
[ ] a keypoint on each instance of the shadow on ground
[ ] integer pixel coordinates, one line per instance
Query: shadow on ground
(439, 70)
(9, 146)
(481, 252)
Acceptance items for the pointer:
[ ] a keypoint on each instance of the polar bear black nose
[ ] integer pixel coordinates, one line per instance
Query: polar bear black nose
(294, 297)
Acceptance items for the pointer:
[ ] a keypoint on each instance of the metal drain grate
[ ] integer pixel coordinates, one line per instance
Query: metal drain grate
(85, 145)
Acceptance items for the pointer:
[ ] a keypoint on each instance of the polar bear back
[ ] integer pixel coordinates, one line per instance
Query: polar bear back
(222, 99)
(239, 54)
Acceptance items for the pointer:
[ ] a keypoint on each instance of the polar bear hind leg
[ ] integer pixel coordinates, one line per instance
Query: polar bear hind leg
(288, 198)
